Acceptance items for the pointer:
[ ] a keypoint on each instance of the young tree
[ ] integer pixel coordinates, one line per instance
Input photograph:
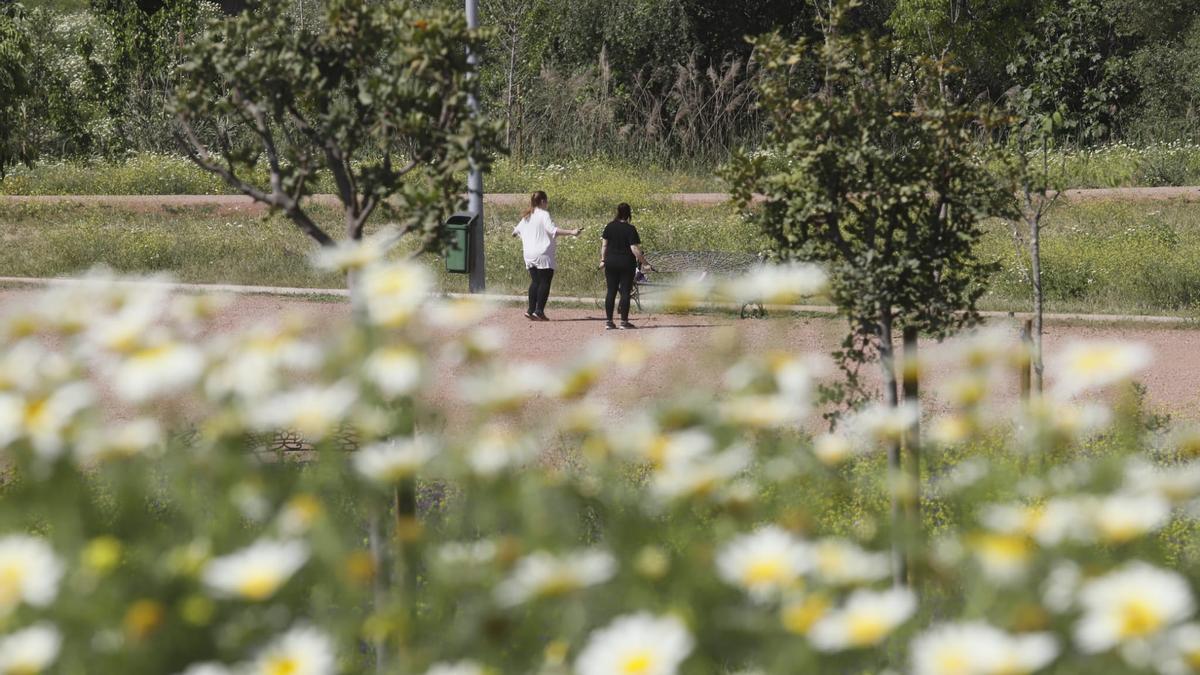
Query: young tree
(375, 96)
(884, 184)
(15, 86)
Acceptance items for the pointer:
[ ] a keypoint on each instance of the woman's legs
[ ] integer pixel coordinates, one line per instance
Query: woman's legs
(543, 295)
(612, 277)
(534, 285)
(626, 286)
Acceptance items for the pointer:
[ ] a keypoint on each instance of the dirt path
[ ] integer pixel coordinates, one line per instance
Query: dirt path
(230, 204)
(1173, 382)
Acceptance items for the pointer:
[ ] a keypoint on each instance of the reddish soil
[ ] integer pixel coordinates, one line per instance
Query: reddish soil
(1173, 382)
(234, 204)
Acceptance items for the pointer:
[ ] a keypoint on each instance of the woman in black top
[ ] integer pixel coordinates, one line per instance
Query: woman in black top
(619, 255)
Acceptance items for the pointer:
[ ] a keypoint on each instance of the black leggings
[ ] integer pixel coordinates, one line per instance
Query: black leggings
(621, 278)
(539, 289)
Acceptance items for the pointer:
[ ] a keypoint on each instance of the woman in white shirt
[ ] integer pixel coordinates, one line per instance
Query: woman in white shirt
(538, 234)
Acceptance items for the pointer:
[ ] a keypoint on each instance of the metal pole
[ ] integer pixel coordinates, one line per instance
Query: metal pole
(476, 283)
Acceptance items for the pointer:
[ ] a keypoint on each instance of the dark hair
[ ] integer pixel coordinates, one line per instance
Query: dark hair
(535, 200)
(624, 212)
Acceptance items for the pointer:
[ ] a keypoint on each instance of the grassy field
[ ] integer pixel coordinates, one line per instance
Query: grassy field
(1099, 257)
(1117, 165)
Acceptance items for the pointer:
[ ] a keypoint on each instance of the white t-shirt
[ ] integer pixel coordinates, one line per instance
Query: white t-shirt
(537, 239)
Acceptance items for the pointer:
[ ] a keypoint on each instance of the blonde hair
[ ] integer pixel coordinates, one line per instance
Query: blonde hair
(535, 200)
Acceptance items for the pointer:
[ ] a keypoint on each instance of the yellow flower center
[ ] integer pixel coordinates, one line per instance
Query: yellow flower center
(11, 576)
(151, 353)
(765, 571)
(1004, 548)
(798, 617)
(953, 662)
(638, 662)
(282, 665)
(560, 583)
(866, 629)
(1192, 658)
(22, 669)
(1138, 618)
(1098, 360)
(258, 585)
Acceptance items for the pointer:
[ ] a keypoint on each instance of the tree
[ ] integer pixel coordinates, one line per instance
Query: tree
(15, 86)
(375, 96)
(885, 186)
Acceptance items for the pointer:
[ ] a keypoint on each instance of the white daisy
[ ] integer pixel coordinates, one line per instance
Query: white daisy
(881, 423)
(312, 411)
(779, 284)
(769, 411)
(1004, 558)
(764, 563)
(396, 371)
(979, 649)
(1081, 366)
(864, 620)
(543, 574)
(1120, 518)
(1133, 603)
(700, 475)
(838, 562)
(124, 439)
(393, 461)
(1182, 653)
(834, 449)
(30, 650)
(29, 572)
(636, 644)
(156, 370)
(207, 668)
(392, 293)
(497, 449)
(257, 571)
(300, 651)
(44, 418)
(1049, 523)
(349, 254)
(1177, 483)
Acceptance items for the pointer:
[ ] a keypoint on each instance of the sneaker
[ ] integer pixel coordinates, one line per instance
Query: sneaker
(608, 325)
(625, 325)
(540, 317)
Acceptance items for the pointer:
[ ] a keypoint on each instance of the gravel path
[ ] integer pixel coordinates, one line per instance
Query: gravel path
(241, 204)
(1173, 382)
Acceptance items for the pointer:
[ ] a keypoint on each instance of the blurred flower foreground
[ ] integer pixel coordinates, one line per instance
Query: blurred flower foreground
(506, 520)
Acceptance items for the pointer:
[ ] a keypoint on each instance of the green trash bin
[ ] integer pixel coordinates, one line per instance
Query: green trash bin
(458, 250)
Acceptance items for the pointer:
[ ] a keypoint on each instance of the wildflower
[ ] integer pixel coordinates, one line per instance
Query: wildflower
(1182, 653)
(864, 621)
(458, 668)
(298, 515)
(458, 313)
(764, 563)
(951, 429)
(1093, 365)
(699, 475)
(779, 284)
(509, 388)
(1133, 603)
(1003, 557)
(882, 423)
(986, 347)
(687, 294)
(838, 562)
(497, 449)
(156, 370)
(251, 364)
(30, 650)
(394, 292)
(255, 572)
(300, 651)
(543, 574)
(1064, 420)
(833, 449)
(977, 648)
(763, 412)
(641, 644)
(1049, 523)
(43, 418)
(800, 613)
(1120, 518)
(468, 553)
(29, 572)
(311, 411)
(393, 461)
(1178, 483)
(125, 439)
(395, 370)
(349, 254)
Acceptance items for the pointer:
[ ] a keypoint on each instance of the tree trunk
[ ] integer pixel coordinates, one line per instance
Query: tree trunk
(912, 446)
(508, 107)
(1035, 246)
(887, 361)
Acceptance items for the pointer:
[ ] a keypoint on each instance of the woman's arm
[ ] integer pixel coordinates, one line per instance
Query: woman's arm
(559, 232)
(641, 257)
(603, 251)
